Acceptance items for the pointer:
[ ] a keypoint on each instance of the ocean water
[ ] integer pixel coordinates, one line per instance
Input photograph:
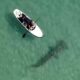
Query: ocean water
(46, 58)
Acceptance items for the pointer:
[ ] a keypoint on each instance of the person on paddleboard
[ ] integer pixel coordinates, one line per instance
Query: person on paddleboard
(26, 21)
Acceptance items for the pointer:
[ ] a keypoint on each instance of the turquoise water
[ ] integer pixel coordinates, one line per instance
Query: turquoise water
(59, 20)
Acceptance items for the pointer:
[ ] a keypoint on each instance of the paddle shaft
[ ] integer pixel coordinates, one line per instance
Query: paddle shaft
(37, 19)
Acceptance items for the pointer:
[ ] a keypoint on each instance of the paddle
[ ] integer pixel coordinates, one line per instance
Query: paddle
(23, 36)
(37, 19)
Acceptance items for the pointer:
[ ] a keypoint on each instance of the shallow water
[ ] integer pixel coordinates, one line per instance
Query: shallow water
(59, 20)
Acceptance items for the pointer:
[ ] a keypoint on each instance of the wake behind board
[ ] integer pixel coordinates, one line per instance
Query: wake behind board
(27, 23)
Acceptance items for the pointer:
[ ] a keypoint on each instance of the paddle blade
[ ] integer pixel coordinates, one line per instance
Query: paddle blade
(23, 36)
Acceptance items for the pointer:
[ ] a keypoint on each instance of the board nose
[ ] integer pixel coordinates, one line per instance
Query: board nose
(17, 13)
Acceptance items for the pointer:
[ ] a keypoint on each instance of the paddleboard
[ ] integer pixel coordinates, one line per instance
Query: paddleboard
(34, 28)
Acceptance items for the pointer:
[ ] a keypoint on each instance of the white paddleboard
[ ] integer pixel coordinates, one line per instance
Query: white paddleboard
(35, 31)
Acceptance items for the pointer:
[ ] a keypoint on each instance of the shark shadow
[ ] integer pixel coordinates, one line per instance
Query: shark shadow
(53, 52)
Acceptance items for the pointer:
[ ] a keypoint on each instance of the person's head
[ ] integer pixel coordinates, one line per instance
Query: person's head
(20, 15)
